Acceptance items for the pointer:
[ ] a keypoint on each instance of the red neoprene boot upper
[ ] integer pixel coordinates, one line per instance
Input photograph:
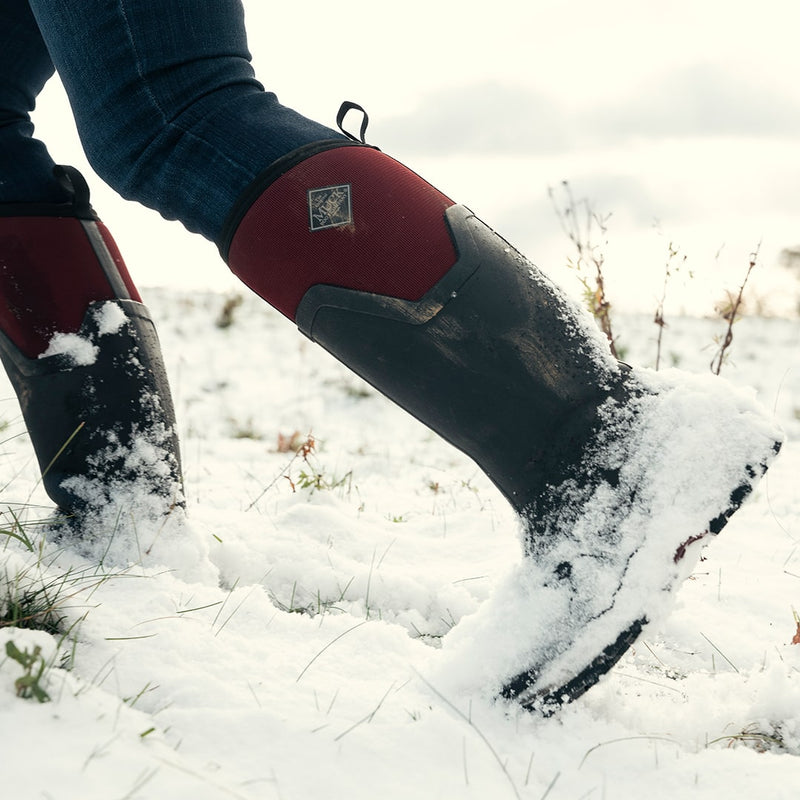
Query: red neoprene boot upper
(350, 217)
(51, 269)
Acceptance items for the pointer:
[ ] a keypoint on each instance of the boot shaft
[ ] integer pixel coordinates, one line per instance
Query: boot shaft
(493, 358)
(338, 214)
(430, 306)
(83, 356)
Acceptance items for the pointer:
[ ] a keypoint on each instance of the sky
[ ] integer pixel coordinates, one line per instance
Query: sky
(680, 120)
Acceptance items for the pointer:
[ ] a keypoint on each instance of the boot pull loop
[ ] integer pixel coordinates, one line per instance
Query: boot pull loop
(75, 183)
(350, 106)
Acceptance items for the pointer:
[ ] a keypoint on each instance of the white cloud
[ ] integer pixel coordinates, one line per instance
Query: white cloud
(487, 118)
(493, 118)
(699, 100)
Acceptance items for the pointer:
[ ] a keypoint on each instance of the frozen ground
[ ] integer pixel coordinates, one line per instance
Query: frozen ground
(278, 645)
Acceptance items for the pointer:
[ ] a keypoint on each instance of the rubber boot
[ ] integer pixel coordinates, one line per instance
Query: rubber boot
(615, 474)
(83, 356)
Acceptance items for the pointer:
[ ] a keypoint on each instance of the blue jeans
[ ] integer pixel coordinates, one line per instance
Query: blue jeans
(164, 96)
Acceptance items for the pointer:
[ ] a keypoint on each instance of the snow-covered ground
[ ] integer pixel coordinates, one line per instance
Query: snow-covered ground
(280, 644)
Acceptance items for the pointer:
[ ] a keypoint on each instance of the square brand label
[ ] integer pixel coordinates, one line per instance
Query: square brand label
(329, 207)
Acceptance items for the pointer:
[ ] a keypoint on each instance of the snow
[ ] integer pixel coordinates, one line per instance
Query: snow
(81, 350)
(78, 349)
(109, 318)
(285, 642)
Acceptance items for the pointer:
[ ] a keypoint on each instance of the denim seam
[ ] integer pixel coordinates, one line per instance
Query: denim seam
(169, 123)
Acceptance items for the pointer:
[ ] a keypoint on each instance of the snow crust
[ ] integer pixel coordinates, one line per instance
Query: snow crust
(341, 640)
(82, 350)
(110, 318)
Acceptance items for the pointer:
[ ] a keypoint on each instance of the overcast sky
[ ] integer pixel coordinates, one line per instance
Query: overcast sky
(681, 114)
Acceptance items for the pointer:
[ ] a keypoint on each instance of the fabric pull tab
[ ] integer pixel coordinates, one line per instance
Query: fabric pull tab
(75, 183)
(350, 106)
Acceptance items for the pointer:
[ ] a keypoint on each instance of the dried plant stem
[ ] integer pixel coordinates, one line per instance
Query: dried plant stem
(659, 319)
(578, 221)
(732, 315)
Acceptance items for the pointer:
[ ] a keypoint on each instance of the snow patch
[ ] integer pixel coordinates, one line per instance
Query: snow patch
(80, 350)
(110, 318)
(191, 684)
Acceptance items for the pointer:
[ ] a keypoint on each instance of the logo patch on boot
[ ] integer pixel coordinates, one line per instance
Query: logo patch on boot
(329, 207)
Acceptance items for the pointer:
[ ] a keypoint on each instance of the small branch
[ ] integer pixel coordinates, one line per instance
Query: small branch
(659, 319)
(732, 316)
(577, 220)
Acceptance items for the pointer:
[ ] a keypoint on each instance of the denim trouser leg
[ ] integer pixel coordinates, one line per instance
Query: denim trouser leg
(166, 102)
(26, 169)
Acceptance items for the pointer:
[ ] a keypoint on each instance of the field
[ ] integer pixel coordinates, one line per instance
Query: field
(285, 641)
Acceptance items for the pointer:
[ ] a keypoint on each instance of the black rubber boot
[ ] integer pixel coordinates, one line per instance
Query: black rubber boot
(500, 364)
(615, 474)
(83, 356)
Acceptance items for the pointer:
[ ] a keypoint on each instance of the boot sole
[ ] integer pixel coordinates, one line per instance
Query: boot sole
(607, 548)
(547, 701)
(536, 689)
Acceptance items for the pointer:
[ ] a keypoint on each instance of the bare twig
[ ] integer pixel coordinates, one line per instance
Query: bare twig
(672, 254)
(578, 220)
(731, 313)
